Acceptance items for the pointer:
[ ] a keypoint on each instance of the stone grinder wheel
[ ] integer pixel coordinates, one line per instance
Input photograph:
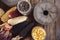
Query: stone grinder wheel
(45, 13)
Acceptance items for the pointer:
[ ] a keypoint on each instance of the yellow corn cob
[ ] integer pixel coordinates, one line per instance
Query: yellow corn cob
(1, 12)
(5, 17)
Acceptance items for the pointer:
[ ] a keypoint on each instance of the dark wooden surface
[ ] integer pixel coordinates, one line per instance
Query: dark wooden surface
(52, 30)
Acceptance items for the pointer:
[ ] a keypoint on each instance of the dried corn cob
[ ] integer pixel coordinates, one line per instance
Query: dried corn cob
(5, 17)
(1, 12)
(17, 20)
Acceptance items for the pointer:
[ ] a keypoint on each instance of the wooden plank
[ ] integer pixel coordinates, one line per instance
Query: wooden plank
(58, 29)
(34, 2)
(57, 2)
(47, 28)
(52, 1)
(52, 31)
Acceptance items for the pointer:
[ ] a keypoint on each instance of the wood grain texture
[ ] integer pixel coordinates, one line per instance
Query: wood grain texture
(52, 30)
(57, 2)
(52, 1)
(34, 2)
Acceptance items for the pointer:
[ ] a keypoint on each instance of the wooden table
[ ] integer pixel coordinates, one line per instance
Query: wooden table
(52, 30)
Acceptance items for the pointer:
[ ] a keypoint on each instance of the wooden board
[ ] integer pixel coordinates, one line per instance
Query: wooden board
(57, 2)
(52, 30)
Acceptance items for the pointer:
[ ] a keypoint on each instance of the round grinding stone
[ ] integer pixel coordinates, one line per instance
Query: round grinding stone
(45, 13)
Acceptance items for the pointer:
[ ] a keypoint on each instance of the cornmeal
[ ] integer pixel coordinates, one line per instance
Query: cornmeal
(38, 33)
